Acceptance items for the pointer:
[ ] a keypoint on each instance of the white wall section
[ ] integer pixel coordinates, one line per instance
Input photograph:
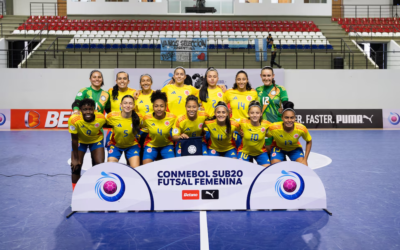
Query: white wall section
(393, 55)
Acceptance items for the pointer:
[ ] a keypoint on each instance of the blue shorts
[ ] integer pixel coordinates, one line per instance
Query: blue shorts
(152, 153)
(83, 147)
(108, 138)
(237, 138)
(261, 159)
(130, 152)
(178, 149)
(279, 154)
(230, 153)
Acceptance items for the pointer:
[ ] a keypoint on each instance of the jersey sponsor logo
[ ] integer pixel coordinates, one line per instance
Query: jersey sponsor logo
(250, 129)
(72, 127)
(33, 119)
(214, 129)
(233, 153)
(296, 136)
(248, 98)
(187, 92)
(170, 150)
(188, 129)
(176, 131)
(219, 94)
(97, 125)
(141, 101)
(136, 152)
(99, 143)
(82, 126)
(173, 93)
(149, 150)
(167, 123)
(190, 194)
(235, 98)
(119, 125)
(153, 124)
(280, 135)
(205, 152)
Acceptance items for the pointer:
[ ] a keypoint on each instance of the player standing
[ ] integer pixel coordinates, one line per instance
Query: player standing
(178, 92)
(125, 124)
(286, 138)
(254, 131)
(221, 128)
(190, 124)
(271, 96)
(159, 124)
(86, 133)
(210, 93)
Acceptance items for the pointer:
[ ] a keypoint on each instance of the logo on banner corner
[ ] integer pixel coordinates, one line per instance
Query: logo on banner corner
(393, 118)
(32, 119)
(3, 119)
(290, 185)
(107, 186)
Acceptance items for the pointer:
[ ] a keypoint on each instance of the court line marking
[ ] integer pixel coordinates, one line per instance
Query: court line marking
(204, 244)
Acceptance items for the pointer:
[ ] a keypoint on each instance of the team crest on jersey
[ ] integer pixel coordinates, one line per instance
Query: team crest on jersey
(72, 127)
(200, 125)
(219, 94)
(149, 150)
(213, 152)
(110, 151)
(248, 98)
(176, 130)
(296, 136)
(187, 92)
(273, 154)
(166, 123)
(263, 129)
(97, 125)
(179, 151)
(79, 94)
(103, 98)
(273, 92)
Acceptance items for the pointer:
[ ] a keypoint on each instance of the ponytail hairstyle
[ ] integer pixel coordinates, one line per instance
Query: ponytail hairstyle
(115, 88)
(227, 120)
(192, 98)
(179, 67)
(134, 116)
(248, 86)
(203, 94)
(288, 106)
(255, 103)
(93, 71)
(272, 69)
(158, 95)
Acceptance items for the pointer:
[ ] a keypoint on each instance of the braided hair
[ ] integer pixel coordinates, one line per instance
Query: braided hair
(115, 88)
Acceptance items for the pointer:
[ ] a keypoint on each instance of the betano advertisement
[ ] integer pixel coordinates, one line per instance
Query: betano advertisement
(39, 118)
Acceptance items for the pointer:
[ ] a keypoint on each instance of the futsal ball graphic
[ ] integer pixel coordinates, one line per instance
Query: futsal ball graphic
(394, 118)
(289, 185)
(2, 119)
(192, 149)
(110, 187)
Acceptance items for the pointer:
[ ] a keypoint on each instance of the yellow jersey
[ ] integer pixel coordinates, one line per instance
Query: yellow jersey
(88, 132)
(177, 97)
(219, 139)
(159, 130)
(183, 125)
(253, 140)
(143, 104)
(214, 96)
(122, 136)
(239, 102)
(116, 103)
(288, 141)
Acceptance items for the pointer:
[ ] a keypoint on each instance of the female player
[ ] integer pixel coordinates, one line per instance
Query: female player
(117, 92)
(95, 93)
(239, 98)
(286, 137)
(125, 124)
(159, 123)
(190, 124)
(221, 128)
(178, 92)
(86, 133)
(210, 93)
(271, 96)
(254, 131)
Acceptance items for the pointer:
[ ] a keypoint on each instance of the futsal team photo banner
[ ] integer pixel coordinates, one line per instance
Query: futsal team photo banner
(184, 49)
(198, 183)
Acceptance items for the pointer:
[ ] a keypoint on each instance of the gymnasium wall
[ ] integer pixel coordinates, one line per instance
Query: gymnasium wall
(393, 55)
(3, 53)
(308, 89)
(22, 7)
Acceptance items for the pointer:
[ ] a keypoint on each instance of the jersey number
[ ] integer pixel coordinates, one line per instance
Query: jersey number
(288, 142)
(193, 134)
(266, 100)
(241, 105)
(88, 132)
(147, 108)
(254, 137)
(219, 137)
(159, 131)
(125, 133)
(214, 101)
(180, 98)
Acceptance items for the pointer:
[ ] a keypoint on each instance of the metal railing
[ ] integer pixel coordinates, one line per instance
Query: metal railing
(368, 11)
(46, 9)
(371, 35)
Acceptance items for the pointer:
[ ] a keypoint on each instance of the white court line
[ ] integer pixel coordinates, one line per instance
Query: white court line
(203, 231)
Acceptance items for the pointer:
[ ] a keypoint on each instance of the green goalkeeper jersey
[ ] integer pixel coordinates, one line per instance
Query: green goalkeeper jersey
(100, 97)
(271, 99)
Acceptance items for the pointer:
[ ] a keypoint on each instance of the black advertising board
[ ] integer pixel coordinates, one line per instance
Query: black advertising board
(340, 118)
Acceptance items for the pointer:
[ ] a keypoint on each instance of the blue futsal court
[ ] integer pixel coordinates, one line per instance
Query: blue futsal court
(362, 186)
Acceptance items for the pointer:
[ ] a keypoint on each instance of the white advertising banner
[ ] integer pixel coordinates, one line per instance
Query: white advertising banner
(198, 183)
(161, 77)
(391, 118)
(5, 119)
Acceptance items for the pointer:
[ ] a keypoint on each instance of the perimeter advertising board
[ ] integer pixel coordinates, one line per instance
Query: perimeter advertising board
(40, 118)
